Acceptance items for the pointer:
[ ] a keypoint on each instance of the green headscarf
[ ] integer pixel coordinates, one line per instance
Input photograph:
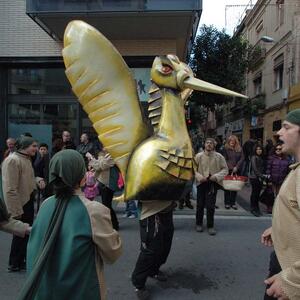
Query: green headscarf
(68, 165)
(294, 117)
(24, 142)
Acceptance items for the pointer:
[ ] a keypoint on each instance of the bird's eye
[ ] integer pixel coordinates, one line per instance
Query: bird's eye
(167, 69)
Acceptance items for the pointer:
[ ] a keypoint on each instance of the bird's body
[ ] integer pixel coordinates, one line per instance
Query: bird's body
(162, 164)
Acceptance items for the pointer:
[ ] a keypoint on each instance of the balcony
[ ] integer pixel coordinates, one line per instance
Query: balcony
(122, 19)
(256, 57)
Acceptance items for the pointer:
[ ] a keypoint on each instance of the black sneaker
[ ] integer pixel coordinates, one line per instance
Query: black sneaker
(13, 269)
(142, 294)
(160, 276)
(189, 205)
(23, 267)
(255, 213)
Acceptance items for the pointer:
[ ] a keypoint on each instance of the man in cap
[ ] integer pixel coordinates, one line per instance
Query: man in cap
(211, 169)
(18, 184)
(284, 233)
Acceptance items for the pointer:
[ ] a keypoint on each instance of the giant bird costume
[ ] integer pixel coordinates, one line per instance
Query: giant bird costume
(155, 164)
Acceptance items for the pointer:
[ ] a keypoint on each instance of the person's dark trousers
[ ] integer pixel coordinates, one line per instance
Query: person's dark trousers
(206, 197)
(17, 256)
(274, 268)
(256, 189)
(107, 196)
(156, 240)
(230, 197)
(246, 166)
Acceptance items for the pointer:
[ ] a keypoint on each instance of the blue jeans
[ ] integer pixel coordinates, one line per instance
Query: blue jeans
(131, 208)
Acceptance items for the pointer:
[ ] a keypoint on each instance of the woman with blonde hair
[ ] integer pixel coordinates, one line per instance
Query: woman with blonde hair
(234, 156)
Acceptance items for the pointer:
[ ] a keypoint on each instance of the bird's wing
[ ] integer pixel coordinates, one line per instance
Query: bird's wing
(177, 162)
(106, 89)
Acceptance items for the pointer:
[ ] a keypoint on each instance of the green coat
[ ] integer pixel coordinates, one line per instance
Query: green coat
(86, 239)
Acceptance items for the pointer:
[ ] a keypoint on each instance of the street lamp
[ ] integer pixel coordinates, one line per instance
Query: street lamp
(267, 39)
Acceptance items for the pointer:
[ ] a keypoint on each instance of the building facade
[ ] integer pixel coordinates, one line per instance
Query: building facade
(35, 95)
(272, 81)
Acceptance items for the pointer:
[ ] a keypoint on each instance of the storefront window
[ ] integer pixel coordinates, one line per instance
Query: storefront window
(44, 121)
(39, 81)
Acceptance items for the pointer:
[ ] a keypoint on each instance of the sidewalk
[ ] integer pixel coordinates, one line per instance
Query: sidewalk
(243, 204)
(243, 207)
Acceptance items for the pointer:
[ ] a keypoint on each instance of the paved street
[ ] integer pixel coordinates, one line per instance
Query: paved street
(230, 265)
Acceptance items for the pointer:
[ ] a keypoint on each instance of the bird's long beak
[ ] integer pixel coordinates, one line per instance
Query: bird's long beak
(203, 86)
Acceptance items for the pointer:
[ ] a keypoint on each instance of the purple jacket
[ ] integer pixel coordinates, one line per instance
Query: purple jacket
(278, 168)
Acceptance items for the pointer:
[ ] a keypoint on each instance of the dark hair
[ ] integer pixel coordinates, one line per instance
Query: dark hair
(57, 144)
(27, 134)
(256, 147)
(43, 145)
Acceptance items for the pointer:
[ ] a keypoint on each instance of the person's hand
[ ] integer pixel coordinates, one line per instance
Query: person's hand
(88, 155)
(266, 237)
(200, 178)
(109, 160)
(28, 230)
(234, 170)
(275, 290)
(41, 184)
(213, 178)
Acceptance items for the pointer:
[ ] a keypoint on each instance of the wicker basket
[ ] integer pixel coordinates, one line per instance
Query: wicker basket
(234, 182)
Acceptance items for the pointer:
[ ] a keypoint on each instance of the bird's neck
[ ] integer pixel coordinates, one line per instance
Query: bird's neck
(172, 123)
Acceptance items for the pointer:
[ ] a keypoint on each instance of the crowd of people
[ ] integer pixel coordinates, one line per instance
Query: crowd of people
(69, 179)
(265, 166)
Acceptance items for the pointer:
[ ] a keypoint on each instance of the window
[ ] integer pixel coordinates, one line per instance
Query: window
(278, 72)
(277, 125)
(257, 82)
(259, 26)
(279, 12)
(44, 121)
(38, 81)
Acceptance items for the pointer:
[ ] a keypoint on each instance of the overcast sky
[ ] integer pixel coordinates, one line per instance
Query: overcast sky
(214, 13)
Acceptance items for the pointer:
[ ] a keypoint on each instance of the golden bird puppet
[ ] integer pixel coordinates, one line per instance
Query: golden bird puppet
(155, 165)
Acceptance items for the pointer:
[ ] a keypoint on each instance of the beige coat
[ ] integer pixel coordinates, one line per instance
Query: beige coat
(213, 163)
(18, 182)
(286, 232)
(15, 227)
(106, 239)
(102, 167)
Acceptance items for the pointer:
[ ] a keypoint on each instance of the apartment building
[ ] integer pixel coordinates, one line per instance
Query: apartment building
(272, 28)
(35, 95)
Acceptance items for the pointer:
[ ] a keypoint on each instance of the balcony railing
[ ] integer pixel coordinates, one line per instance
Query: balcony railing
(72, 6)
(257, 56)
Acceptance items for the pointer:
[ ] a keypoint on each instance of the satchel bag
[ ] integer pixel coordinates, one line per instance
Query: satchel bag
(267, 196)
(234, 182)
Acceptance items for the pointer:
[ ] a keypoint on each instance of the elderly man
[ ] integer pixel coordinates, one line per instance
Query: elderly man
(18, 183)
(211, 169)
(10, 143)
(284, 233)
(67, 140)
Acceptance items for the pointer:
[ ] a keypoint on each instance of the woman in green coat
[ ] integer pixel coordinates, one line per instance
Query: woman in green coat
(70, 239)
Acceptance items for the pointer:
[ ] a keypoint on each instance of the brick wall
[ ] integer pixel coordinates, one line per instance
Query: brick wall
(20, 35)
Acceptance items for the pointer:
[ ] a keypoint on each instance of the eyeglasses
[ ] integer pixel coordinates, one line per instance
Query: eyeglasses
(278, 149)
